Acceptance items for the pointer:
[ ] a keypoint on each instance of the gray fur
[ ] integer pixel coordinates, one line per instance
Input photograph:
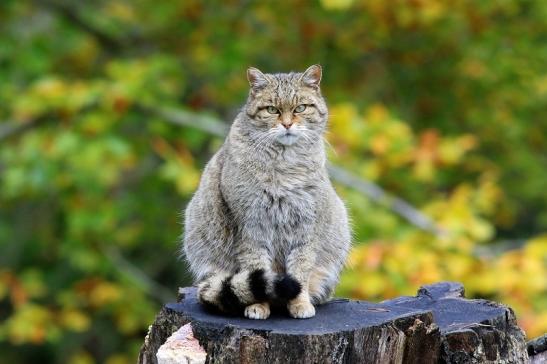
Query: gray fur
(265, 200)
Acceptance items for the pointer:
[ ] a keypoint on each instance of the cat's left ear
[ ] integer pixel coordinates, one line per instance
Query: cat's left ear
(312, 76)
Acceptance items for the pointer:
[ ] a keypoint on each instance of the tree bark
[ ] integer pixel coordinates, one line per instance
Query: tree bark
(437, 326)
(537, 349)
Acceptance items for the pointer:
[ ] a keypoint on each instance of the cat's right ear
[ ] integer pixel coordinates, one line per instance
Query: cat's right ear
(257, 79)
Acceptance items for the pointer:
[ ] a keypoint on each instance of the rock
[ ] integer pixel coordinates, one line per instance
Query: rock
(181, 348)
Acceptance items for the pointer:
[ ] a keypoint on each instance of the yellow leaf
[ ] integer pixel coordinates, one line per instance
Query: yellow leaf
(104, 293)
(377, 114)
(118, 359)
(81, 357)
(29, 323)
(336, 4)
(537, 247)
(372, 285)
(75, 320)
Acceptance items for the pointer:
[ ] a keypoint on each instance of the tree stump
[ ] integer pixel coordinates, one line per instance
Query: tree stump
(437, 326)
(537, 349)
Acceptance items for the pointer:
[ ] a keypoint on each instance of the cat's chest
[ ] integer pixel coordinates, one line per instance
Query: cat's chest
(276, 191)
(287, 175)
(282, 186)
(284, 210)
(281, 199)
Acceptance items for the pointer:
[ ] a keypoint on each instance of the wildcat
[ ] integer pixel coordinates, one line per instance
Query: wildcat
(265, 224)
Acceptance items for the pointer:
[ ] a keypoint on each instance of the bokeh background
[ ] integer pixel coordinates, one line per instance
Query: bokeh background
(109, 110)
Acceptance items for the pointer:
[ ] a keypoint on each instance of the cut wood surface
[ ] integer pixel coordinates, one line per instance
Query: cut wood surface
(437, 325)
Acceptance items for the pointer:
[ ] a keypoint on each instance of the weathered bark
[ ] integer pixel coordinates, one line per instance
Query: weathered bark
(537, 349)
(436, 326)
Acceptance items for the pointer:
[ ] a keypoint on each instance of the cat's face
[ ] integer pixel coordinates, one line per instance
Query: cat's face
(286, 108)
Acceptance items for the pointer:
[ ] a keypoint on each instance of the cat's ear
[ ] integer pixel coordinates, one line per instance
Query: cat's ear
(312, 76)
(257, 79)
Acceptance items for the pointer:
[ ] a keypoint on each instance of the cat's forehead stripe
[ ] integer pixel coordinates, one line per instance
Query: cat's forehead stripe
(286, 90)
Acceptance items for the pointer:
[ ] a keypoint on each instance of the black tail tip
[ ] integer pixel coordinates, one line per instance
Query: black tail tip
(258, 284)
(211, 307)
(287, 287)
(229, 300)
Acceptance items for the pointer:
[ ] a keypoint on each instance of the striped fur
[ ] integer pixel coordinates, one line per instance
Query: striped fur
(266, 223)
(232, 293)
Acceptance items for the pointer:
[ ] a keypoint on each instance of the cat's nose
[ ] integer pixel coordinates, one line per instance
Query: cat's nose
(287, 125)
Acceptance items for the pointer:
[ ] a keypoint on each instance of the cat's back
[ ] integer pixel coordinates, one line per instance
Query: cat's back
(208, 195)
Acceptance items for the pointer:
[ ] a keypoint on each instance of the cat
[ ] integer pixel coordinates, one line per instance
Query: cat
(266, 224)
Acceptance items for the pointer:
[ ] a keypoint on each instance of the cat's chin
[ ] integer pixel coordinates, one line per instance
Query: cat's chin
(288, 139)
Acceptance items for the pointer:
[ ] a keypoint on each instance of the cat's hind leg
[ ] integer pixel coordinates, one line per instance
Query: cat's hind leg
(300, 264)
(321, 284)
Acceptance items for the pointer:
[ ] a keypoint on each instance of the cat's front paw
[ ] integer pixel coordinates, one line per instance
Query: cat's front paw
(257, 311)
(301, 309)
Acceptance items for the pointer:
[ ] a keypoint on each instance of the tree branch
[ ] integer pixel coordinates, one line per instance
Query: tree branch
(72, 14)
(9, 128)
(134, 273)
(380, 196)
(180, 117)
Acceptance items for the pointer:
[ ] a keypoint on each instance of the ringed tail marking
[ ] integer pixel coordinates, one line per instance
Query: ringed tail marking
(232, 293)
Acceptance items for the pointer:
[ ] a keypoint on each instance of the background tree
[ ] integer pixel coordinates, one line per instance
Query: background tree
(109, 110)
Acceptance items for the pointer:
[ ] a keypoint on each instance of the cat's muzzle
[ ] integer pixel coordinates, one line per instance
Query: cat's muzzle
(288, 137)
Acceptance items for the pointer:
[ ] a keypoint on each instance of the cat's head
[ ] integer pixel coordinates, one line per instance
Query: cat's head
(286, 108)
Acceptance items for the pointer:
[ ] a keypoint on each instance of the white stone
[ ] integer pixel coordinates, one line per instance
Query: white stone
(181, 348)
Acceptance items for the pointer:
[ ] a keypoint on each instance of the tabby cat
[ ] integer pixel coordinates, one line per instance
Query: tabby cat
(265, 224)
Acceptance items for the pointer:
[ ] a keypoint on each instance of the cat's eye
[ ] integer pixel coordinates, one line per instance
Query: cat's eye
(300, 108)
(272, 110)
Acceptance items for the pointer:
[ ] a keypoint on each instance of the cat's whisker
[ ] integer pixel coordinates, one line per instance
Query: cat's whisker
(263, 143)
(310, 135)
(263, 139)
(258, 145)
(330, 146)
(307, 138)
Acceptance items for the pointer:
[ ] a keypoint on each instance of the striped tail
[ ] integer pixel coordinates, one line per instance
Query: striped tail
(232, 293)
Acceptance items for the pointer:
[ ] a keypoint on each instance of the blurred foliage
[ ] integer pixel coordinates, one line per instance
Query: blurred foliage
(443, 103)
